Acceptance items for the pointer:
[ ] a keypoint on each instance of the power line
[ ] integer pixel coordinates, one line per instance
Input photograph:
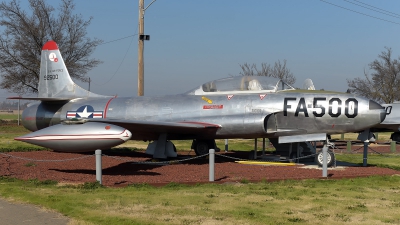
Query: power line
(123, 59)
(119, 66)
(133, 35)
(376, 7)
(388, 14)
(360, 12)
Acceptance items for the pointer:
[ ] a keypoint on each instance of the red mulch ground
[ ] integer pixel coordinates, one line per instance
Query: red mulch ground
(118, 169)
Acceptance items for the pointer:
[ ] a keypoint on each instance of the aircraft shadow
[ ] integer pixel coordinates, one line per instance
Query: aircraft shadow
(201, 161)
(131, 168)
(123, 169)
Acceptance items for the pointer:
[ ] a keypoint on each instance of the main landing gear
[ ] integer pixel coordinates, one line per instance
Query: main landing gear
(202, 146)
(395, 136)
(304, 152)
(330, 158)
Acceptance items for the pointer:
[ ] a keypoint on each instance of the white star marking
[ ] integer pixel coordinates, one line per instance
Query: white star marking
(85, 114)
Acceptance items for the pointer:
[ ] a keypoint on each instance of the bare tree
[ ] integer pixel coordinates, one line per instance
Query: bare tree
(384, 84)
(25, 33)
(278, 71)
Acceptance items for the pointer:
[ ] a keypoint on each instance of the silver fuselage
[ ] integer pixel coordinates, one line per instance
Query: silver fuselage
(242, 116)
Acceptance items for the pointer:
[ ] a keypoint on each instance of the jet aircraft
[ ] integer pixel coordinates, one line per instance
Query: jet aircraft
(68, 118)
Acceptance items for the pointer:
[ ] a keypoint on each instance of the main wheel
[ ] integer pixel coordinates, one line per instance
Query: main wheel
(330, 158)
(395, 137)
(201, 147)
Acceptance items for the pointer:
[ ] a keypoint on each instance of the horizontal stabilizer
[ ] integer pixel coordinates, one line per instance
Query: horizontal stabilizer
(41, 99)
(48, 99)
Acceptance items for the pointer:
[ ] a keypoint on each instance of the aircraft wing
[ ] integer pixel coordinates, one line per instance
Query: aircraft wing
(150, 130)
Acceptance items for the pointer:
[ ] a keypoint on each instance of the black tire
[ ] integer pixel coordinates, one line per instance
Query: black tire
(201, 147)
(330, 158)
(395, 137)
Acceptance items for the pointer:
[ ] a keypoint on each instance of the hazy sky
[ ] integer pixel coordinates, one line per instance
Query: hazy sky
(193, 42)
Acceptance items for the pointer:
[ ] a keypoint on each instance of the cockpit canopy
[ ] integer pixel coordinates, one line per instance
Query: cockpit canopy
(242, 85)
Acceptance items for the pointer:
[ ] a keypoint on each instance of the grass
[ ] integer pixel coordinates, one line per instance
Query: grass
(373, 200)
(391, 161)
(9, 116)
(381, 136)
(8, 144)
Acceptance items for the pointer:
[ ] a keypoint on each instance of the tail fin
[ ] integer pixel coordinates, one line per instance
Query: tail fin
(55, 81)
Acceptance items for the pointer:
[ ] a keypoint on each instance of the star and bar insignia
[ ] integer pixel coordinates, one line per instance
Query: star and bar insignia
(85, 111)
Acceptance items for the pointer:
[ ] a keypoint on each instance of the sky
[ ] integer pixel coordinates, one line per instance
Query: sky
(192, 42)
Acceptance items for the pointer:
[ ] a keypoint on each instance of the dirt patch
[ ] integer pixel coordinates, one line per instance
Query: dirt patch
(137, 167)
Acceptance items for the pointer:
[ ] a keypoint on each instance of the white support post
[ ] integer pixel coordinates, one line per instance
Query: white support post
(211, 158)
(98, 166)
(324, 161)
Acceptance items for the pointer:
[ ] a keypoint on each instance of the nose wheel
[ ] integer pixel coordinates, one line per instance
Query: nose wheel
(330, 158)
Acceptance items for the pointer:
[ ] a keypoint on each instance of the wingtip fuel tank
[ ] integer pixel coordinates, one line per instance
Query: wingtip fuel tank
(78, 137)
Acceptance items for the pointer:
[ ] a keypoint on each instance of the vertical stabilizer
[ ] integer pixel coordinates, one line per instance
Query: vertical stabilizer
(54, 80)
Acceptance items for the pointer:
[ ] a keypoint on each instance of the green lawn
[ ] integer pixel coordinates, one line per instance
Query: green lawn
(372, 200)
(391, 161)
(381, 136)
(8, 116)
(7, 142)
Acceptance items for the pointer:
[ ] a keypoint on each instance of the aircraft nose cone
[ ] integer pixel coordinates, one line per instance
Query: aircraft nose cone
(375, 106)
(383, 116)
(126, 135)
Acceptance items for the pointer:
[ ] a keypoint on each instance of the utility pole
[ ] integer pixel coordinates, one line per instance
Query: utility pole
(142, 38)
(140, 50)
